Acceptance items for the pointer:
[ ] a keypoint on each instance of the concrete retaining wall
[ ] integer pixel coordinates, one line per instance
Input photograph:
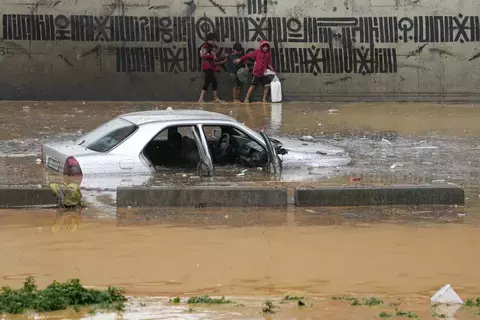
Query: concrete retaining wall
(207, 197)
(148, 49)
(390, 195)
(201, 197)
(24, 197)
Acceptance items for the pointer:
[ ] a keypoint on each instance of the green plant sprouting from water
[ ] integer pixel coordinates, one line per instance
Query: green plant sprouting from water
(407, 314)
(470, 303)
(358, 302)
(58, 296)
(208, 300)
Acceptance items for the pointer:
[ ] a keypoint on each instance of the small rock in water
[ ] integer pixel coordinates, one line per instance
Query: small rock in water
(396, 165)
(332, 111)
(38, 161)
(386, 141)
(307, 138)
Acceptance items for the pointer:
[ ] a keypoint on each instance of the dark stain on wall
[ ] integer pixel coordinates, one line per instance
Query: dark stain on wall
(219, 7)
(416, 51)
(474, 57)
(190, 9)
(157, 7)
(441, 52)
(65, 60)
(337, 81)
(94, 50)
(413, 66)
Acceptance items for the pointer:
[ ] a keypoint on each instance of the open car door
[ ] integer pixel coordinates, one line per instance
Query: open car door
(274, 164)
(205, 166)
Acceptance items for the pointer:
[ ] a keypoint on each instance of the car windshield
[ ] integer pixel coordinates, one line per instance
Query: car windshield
(108, 135)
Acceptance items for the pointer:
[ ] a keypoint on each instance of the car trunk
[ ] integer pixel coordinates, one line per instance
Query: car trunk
(55, 155)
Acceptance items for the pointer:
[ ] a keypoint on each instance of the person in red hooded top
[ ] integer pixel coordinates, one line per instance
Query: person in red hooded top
(210, 65)
(263, 61)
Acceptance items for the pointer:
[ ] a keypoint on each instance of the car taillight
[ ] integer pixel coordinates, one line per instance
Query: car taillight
(72, 167)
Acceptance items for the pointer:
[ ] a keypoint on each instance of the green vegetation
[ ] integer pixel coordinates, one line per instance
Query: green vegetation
(407, 314)
(385, 315)
(372, 302)
(398, 314)
(58, 296)
(472, 303)
(292, 298)
(207, 300)
(175, 300)
(357, 302)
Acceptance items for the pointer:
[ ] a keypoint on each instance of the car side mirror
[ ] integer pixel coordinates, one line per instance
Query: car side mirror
(282, 151)
(217, 133)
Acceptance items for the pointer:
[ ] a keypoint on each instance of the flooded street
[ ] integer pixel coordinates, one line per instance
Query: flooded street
(263, 261)
(424, 142)
(398, 255)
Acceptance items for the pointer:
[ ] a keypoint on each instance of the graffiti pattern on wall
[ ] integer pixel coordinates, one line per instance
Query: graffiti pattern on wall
(328, 45)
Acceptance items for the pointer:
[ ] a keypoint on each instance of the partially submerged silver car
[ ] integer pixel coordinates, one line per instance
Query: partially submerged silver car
(145, 142)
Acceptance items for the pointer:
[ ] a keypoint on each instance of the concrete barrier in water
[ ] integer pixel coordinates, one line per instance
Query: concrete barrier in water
(218, 196)
(26, 197)
(201, 197)
(446, 194)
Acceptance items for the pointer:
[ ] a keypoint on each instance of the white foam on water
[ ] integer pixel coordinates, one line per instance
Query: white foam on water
(17, 155)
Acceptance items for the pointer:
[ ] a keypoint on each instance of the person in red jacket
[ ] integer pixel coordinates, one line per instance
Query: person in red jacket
(263, 61)
(210, 65)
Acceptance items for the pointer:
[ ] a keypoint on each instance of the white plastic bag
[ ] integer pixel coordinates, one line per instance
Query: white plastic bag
(269, 72)
(276, 90)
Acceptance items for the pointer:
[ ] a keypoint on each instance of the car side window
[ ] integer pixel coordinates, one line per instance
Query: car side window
(229, 145)
(174, 146)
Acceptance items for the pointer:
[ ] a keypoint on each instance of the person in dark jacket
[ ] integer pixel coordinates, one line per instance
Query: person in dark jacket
(233, 70)
(263, 61)
(210, 65)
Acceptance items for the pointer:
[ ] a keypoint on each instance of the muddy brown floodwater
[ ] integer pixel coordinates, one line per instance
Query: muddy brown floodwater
(396, 255)
(388, 261)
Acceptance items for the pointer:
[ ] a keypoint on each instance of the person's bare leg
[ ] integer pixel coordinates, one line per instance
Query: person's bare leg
(216, 98)
(249, 93)
(265, 93)
(234, 94)
(202, 96)
(239, 91)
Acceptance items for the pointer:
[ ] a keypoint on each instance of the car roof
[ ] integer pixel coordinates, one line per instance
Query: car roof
(142, 117)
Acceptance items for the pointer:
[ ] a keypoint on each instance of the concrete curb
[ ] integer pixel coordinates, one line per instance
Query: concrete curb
(26, 197)
(447, 194)
(201, 197)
